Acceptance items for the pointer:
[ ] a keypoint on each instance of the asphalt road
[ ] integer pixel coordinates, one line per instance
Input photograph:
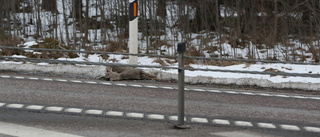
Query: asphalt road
(210, 112)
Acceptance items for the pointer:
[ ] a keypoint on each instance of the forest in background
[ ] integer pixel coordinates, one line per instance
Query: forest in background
(286, 28)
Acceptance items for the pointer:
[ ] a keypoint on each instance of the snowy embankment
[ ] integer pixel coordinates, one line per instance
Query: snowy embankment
(67, 70)
(192, 77)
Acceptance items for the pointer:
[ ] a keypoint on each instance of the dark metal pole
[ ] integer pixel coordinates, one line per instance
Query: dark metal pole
(181, 49)
(181, 90)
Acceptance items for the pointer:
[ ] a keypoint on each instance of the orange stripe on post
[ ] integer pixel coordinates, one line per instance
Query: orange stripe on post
(135, 9)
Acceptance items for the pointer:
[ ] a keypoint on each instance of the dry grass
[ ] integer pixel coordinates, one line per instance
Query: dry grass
(221, 63)
(161, 62)
(273, 70)
(116, 46)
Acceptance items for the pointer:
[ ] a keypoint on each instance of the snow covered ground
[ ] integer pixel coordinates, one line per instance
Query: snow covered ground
(191, 76)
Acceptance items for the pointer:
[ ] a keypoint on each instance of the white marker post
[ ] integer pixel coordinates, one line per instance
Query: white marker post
(133, 31)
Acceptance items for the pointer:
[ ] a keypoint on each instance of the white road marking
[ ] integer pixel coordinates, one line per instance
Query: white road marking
(282, 96)
(55, 109)
(33, 78)
(24, 131)
(316, 98)
(199, 120)
(91, 82)
(34, 107)
(299, 97)
(267, 125)
(175, 118)
(198, 90)
(61, 80)
(114, 113)
(73, 110)
(105, 83)
(243, 133)
(76, 81)
(156, 116)
(17, 77)
(264, 94)
(247, 93)
(15, 105)
(5, 77)
(221, 122)
(94, 112)
(166, 87)
(151, 86)
(312, 129)
(214, 91)
(136, 85)
(290, 127)
(243, 123)
(135, 115)
(230, 92)
(48, 79)
(120, 84)
(162, 117)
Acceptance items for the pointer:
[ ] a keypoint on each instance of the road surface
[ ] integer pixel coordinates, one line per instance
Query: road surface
(150, 109)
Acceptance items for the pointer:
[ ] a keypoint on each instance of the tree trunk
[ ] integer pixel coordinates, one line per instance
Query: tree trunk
(65, 23)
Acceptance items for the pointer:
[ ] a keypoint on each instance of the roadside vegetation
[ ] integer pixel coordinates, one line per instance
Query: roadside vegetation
(285, 30)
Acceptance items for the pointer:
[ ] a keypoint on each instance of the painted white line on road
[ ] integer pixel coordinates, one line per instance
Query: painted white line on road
(91, 82)
(166, 87)
(230, 92)
(48, 79)
(135, 115)
(114, 113)
(312, 129)
(290, 127)
(199, 120)
(243, 123)
(221, 122)
(156, 116)
(264, 94)
(175, 118)
(299, 97)
(17, 77)
(136, 86)
(33, 78)
(61, 80)
(282, 96)
(198, 90)
(76, 81)
(120, 84)
(316, 98)
(15, 105)
(187, 89)
(73, 110)
(246, 93)
(214, 91)
(5, 76)
(151, 86)
(105, 83)
(2, 104)
(94, 112)
(55, 109)
(267, 125)
(34, 107)
(25, 131)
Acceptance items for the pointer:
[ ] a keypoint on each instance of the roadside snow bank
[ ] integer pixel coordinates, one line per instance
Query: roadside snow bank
(83, 71)
(238, 81)
(101, 71)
